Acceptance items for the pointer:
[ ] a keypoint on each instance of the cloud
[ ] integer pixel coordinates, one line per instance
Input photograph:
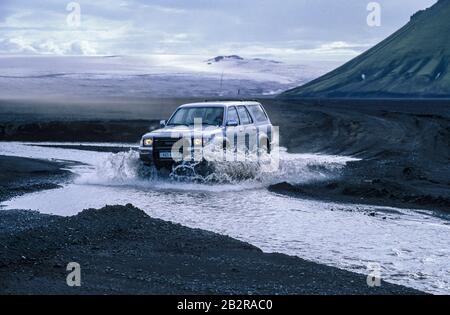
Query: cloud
(16, 46)
(81, 48)
(340, 48)
(294, 51)
(295, 29)
(169, 10)
(46, 47)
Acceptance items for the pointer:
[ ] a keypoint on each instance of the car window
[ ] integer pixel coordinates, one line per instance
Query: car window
(258, 113)
(232, 114)
(244, 115)
(208, 115)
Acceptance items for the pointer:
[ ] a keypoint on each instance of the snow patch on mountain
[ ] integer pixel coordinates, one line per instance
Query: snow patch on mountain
(148, 76)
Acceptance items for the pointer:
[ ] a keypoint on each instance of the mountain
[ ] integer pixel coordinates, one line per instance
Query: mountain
(261, 70)
(239, 60)
(148, 76)
(411, 63)
(224, 58)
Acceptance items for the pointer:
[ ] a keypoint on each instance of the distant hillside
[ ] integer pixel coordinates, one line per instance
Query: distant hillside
(222, 58)
(239, 60)
(98, 77)
(411, 63)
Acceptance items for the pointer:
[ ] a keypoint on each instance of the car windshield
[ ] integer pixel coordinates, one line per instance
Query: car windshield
(212, 116)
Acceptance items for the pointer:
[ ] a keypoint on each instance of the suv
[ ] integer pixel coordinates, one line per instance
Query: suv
(228, 126)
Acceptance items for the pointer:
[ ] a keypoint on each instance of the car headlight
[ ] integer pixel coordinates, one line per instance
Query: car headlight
(148, 142)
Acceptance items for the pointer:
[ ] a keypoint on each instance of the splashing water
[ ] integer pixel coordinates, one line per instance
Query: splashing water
(126, 169)
(123, 168)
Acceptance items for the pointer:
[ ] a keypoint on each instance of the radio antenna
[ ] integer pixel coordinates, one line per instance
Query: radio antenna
(221, 82)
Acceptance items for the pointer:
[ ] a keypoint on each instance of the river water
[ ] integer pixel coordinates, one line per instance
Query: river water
(412, 247)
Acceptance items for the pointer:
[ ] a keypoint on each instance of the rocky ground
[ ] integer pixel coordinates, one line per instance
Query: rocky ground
(404, 147)
(22, 175)
(123, 251)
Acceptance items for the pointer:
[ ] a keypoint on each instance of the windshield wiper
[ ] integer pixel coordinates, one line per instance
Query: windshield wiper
(178, 125)
(206, 124)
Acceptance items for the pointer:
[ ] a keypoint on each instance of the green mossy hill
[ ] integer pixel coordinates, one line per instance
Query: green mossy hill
(411, 63)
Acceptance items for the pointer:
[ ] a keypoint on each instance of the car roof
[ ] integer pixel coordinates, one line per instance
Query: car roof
(220, 104)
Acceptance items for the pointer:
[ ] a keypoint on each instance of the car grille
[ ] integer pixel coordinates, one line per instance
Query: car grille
(164, 145)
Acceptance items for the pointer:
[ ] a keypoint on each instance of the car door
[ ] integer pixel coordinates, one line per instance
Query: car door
(263, 126)
(248, 132)
(233, 127)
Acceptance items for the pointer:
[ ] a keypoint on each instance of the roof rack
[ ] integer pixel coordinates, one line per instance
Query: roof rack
(231, 100)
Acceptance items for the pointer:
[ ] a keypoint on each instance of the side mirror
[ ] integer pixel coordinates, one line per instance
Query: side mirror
(232, 123)
(162, 123)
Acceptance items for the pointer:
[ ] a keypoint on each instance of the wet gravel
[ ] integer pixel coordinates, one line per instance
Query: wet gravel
(19, 176)
(121, 250)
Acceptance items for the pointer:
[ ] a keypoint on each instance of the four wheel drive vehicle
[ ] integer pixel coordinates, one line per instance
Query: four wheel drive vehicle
(230, 127)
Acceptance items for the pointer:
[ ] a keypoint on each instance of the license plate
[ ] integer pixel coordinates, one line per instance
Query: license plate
(165, 155)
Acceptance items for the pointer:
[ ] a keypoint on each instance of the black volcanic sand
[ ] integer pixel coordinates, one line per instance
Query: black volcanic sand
(404, 147)
(93, 148)
(122, 250)
(22, 175)
(404, 144)
(128, 131)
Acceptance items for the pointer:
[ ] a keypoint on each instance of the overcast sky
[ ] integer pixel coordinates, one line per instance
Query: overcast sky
(290, 30)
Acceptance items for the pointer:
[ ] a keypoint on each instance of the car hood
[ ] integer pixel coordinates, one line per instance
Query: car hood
(180, 131)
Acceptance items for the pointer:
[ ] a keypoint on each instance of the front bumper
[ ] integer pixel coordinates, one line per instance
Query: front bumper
(146, 155)
(151, 156)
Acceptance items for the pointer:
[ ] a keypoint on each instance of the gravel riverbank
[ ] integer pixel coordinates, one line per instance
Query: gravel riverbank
(121, 250)
(19, 176)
